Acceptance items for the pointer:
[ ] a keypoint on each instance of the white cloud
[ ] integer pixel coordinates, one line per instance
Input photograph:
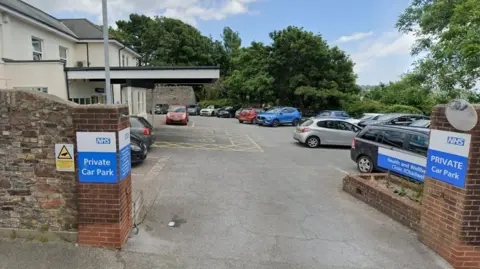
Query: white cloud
(382, 58)
(189, 11)
(354, 36)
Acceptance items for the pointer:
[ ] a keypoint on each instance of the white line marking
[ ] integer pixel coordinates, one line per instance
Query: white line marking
(231, 141)
(193, 124)
(339, 170)
(255, 143)
(137, 175)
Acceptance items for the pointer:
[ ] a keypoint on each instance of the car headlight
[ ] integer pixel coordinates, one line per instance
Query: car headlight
(135, 147)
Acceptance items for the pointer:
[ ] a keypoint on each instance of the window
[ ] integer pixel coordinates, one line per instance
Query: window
(290, 110)
(324, 114)
(82, 101)
(63, 53)
(370, 135)
(344, 114)
(136, 123)
(38, 89)
(343, 126)
(308, 123)
(37, 48)
(418, 144)
(127, 61)
(123, 60)
(393, 138)
(322, 124)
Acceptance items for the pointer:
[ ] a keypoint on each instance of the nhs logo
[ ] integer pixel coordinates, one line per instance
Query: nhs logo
(103, 140)
(456, 141)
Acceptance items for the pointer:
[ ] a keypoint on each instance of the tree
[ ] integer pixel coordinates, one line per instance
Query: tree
(449, 31)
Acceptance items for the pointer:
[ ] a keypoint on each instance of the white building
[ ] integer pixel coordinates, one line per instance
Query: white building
(65, 57)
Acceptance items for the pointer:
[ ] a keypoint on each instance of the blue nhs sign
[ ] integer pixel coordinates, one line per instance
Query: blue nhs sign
(447, 159)
(103, 140)
(456, 141)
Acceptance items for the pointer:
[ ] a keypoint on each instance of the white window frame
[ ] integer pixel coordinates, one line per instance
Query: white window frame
(36, 52)
(66, 53)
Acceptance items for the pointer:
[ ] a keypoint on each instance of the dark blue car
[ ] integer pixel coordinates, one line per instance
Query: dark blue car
(337, 114)
(279, 116)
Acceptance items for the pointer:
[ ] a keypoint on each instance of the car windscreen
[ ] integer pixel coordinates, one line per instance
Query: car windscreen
(275, 110)
(192, 106)
(307, 123)
(365, 117)
(179, 109)
(136, 123)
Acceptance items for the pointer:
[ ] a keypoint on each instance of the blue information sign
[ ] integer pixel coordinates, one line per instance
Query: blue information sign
(402, 163)
(448, 157)
(125, 158)
(97, 157)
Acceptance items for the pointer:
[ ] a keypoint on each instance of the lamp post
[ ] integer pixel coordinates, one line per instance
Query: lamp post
(108, 89)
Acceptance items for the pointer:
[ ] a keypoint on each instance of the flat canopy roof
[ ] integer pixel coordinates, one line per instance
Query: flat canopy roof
(157, 75)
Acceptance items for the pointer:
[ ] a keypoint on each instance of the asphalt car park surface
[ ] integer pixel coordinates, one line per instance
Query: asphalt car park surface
(246, 196)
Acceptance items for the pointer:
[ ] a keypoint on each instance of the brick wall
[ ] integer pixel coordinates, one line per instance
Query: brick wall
(398, 208)
(33, 194)
(105, 212)
(450, 219)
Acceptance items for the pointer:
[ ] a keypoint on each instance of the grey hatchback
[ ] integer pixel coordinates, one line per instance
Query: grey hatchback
(326, 131)
(143, 129)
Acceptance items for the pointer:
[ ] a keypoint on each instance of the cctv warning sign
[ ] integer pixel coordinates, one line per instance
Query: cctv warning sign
(64, 159)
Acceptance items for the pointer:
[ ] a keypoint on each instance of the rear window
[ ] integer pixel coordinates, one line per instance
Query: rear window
(393, 138)
(176, 109)
(307, 123)
(370, 135)
(136, 123)
(418, 144)
(246, 110)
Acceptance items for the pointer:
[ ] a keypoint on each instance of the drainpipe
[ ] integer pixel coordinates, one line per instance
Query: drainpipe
(66, 80)
(88, 56)
(119, 58)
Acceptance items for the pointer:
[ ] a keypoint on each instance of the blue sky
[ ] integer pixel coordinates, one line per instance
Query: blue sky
(365, 29)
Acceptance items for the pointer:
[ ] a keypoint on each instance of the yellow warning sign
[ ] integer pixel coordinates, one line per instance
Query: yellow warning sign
(64, 157)
(64, 154)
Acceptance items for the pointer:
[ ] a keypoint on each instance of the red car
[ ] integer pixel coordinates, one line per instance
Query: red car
(177, 114)
(249, 115)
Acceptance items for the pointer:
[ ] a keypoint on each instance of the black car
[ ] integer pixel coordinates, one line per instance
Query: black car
(142, 129)
(161, 109)
(226, 112)
(138, 149)
(420, 124)
(403, 140)
(402, 119)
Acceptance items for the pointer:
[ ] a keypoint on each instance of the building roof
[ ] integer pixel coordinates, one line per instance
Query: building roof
(83, 28)
(36, 14)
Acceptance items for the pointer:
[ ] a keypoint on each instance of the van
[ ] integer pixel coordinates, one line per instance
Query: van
(408, 140)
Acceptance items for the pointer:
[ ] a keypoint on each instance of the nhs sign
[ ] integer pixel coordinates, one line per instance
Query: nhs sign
(103, 140)
(456, 141)
(447, 158)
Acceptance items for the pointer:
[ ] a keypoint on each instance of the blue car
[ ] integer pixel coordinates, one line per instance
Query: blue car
(277, 116)
(337, 114)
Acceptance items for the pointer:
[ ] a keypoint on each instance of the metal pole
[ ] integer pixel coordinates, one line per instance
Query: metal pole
(153, 110)
(108, 89)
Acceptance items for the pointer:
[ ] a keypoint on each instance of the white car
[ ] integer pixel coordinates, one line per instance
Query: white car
(364, 116)
(209, 110)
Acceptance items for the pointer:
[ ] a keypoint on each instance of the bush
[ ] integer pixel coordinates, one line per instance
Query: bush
(357, 108)
(402, 109)
(218, 102)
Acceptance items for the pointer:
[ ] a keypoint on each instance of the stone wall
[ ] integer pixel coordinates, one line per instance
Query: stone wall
(33, 195)
(171, 95)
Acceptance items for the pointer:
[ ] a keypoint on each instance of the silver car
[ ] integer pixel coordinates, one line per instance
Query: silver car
(326, 131)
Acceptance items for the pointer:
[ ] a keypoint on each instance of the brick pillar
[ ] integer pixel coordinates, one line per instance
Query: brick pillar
(104, 209)
(450, 218)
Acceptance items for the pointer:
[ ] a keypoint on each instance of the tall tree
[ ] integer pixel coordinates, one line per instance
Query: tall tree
(449, 32)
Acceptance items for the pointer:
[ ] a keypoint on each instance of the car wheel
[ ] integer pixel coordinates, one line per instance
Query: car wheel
(275, 123)
(365, 164)
(313, 142)
(241, 121)
(295, 122)
(254, 121)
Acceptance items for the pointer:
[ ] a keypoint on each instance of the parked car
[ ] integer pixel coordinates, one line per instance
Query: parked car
(420, 124)
(326, 131)
(194, 110)
(237, 113)
(363, 117)
(138, 149)
(226, 112)
(394, 119)
(279, 116)
(177, 114)
(249, 115)
(161, 108)
(140, 128)
(397, 138)
(338, 114)
(209, 110)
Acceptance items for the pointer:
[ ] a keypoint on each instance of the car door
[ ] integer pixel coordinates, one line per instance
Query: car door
(290, 114)
(326, 131)
(345, 133)
(283, 115)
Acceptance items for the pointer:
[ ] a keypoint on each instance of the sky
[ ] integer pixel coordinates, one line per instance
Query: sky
(365, 29)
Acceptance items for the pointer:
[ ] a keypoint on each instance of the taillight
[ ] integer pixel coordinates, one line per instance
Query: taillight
(306, 130)
(146, 131)
(354, 142)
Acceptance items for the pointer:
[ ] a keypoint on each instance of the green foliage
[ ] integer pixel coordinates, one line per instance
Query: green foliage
(219, 102)
(402, 109)
(449, 32)
(357, 108)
